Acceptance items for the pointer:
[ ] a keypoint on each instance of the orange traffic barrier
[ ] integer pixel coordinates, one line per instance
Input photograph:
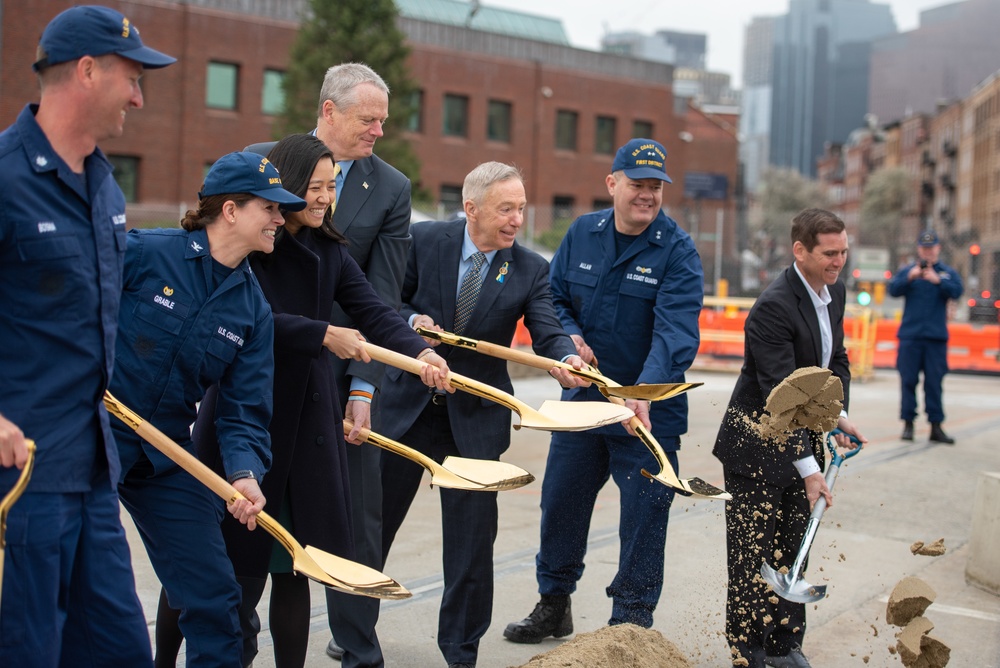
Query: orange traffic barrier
(870, 341)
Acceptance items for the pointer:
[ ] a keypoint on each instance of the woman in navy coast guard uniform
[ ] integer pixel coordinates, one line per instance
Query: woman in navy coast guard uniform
(192, 315)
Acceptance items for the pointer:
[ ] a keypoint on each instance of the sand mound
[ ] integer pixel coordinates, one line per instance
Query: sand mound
(809, 398)
(621, 646)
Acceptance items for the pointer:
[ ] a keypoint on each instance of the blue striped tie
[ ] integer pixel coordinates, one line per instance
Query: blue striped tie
(469, 292)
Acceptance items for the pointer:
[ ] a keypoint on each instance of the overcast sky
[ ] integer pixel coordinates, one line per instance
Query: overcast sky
(722, 20)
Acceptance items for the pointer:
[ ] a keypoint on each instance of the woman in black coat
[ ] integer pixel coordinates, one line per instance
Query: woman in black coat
(307, 486)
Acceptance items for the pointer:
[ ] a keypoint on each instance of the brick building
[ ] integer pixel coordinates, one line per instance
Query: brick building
(557, 112)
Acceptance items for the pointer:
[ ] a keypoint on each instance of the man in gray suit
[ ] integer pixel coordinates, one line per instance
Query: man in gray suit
(373, 212)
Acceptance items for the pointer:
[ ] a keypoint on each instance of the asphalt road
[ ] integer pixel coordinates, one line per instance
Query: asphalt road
(889, 496)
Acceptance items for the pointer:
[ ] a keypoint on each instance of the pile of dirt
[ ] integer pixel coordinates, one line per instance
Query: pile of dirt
(935, 549)
(620, 646)
(809, 398)
(909, 600)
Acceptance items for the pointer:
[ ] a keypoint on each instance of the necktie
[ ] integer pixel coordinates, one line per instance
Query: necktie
(339, 177)
(469, 292)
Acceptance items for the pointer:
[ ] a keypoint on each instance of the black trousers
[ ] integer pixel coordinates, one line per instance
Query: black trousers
(763, 521)
(469, 528)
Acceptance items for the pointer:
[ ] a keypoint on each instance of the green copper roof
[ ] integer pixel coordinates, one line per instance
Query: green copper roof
(485, 18)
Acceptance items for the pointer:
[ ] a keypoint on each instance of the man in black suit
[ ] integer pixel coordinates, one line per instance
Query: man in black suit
(798, 321)
(447, 262)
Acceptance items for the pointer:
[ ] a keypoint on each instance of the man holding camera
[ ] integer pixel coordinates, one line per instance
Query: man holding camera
(927, 285)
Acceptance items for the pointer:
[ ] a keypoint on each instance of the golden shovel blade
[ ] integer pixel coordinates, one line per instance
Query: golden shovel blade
(652, 392)
(491, 476)
(571, 415)
(478, 475)
(326, 569)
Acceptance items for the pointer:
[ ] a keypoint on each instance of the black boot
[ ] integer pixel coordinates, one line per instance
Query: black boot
(907, 431)
(938, 435)
(552, 616)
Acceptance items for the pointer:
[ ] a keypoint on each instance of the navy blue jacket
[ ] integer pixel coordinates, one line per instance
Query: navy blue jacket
(62, 243)
(925, 314)
(638, 312)
(178, 337)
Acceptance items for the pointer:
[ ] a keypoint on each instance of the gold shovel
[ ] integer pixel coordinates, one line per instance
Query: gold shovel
(325, 568)
(608, 387)
(456, 472)
(551, 416)
(8, 500)
(693, 486)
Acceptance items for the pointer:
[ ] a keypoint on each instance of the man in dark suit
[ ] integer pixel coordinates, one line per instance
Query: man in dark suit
(798, 321)
(373, 212)
(449, 263)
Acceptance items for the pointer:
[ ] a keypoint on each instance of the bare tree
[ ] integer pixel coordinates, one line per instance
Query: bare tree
(883, 206)
(783, 193)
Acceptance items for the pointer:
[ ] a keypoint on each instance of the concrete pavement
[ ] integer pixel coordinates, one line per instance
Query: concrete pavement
(889, 496)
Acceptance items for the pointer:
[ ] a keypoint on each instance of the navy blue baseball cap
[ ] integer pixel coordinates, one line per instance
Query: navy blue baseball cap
(91, 30)
(642, 159)
(251, 173)
(928, 239)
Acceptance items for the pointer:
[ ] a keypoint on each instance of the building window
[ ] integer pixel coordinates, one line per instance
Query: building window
(126, 175)
(455, 122)
(220, 85)
(566, 122)
(562, 207)
(600, 204)
(498, 121)
(604, 137)
(642, 129)
(415, 119)
(272, 97)
(450, 200)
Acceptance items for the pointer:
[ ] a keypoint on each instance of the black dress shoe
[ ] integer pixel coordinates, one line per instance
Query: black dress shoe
(938, 435)
(334, 651)
(461, 665)
(794, 659)
(907, 434)
(552, 616)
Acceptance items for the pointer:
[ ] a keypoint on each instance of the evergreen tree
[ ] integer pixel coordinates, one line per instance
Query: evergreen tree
(342, 31)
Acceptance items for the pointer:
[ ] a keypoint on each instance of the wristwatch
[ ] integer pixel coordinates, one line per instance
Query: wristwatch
(240, 475)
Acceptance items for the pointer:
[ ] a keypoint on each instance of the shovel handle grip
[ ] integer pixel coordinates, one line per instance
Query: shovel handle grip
(514, 355)
(414, 366)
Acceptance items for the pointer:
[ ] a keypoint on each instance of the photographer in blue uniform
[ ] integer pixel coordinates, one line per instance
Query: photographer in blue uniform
(627, 284)
(927, 285)
(193, 315)
(69, 592)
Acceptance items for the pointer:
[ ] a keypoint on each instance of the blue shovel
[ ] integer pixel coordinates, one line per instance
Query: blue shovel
(790, 586)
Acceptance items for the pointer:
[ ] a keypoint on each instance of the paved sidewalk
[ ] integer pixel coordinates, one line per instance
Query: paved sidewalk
(886, 498)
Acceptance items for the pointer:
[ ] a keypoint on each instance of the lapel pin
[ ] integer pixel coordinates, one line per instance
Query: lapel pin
(503, 272)
(365, 185)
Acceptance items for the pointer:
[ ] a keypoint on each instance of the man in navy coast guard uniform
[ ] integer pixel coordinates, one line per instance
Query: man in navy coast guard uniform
(69, 595)
(926, 285)
(627, 284)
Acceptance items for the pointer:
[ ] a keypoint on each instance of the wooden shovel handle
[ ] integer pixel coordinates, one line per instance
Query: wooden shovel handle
(395, 447)
(471, 386)
(514, 355)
